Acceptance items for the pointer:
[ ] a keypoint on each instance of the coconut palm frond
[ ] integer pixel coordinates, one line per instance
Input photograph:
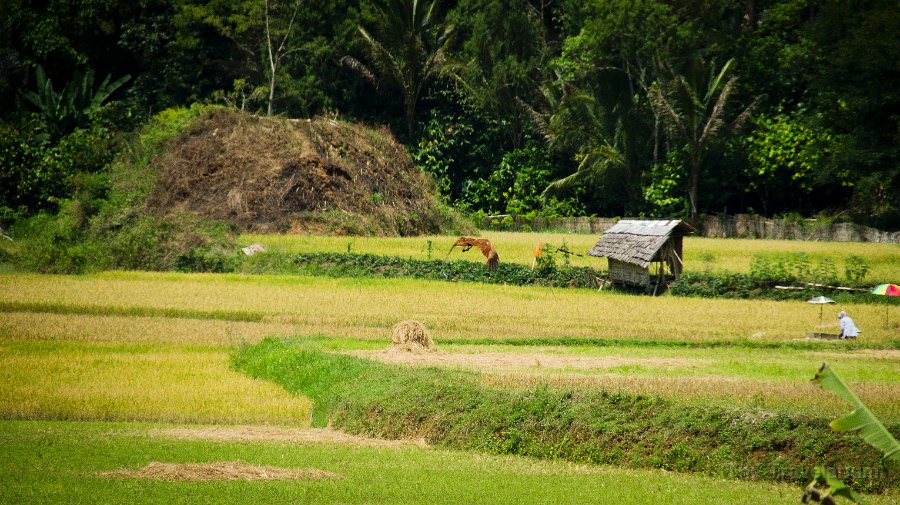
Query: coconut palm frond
(672, 116)
(409, 52)
(743, 117)
(435, 64)
(563, 184)
(594, 165)
(383, 60)
(716, 81)
(361, 68)
(716, 120)
(696, 115)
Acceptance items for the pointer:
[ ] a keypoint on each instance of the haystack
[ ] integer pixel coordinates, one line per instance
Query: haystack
(268, 174)
(411, 336)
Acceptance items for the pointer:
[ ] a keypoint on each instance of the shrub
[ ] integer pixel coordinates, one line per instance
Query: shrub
(767, 270)
(371, 265)
(826, 271)
(735, 285)
(855, 268)
(104, 224)
(545, 264)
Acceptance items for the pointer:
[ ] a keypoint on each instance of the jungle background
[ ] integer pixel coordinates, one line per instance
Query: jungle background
(528, 107)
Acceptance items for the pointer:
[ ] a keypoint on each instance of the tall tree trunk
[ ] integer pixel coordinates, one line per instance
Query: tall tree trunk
(271, 90)
(276, 55)
(272, 63)
(516, 132)
(693, 185)
(655, 138)
(410, 117)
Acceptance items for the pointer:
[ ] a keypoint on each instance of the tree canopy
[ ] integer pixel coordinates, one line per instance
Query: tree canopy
(606, 107)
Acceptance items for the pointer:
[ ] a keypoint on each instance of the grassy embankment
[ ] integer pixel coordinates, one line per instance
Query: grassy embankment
(57, 462)
(584, 426)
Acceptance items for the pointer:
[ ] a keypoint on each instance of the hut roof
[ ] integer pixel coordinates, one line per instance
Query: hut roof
(637, 242)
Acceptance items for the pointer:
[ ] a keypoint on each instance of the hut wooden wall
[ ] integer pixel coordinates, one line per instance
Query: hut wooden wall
(627, 273)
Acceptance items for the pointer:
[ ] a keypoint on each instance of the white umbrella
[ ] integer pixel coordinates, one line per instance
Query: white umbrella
(821, 301)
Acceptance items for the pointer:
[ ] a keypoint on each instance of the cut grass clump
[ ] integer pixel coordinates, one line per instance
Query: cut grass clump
(411, 336)
(452, 408)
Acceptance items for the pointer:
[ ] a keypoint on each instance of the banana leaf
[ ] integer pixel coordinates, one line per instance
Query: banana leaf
(832, 486)
(861, 418)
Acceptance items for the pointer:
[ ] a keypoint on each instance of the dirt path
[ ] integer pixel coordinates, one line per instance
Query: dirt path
(275, 434)
(220, 470)
(494, 361)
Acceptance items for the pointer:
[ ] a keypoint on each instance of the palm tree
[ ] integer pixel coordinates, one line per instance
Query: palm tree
(698, 117)
(410, 52)
(574, 124)
(506, 53)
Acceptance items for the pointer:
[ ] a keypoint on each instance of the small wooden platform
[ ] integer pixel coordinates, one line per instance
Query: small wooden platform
(832, 336)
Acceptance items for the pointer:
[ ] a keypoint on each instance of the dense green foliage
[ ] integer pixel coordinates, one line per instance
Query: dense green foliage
(623, 107)
(547, 273)
(738, 285)
(103, 226)
(452, 409)
(807, 279)
(804, 278)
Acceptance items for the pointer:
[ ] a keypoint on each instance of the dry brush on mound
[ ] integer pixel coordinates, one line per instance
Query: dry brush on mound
(305, 175)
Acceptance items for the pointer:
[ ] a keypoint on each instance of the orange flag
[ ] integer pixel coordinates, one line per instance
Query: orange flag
(537, 250)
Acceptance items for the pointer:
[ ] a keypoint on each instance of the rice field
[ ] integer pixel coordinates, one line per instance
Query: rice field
(700, 254)
(139, 347)
(367, 308)
(123, 382)
(63, 358)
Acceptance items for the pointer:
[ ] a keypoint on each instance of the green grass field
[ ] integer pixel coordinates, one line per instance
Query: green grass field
(59, 462)
(118, 349)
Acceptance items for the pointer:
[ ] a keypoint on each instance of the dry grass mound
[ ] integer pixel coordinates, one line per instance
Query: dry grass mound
(302, 176)
(220, 470)
(411, 336)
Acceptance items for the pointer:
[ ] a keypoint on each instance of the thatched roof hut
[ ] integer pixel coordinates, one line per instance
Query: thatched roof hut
(632, 245)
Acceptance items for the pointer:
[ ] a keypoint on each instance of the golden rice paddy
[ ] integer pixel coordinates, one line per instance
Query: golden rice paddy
(69, 349)
(114, 382)
(368, 308)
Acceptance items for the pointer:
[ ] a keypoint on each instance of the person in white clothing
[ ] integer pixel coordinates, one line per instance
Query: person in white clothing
(848, 327)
